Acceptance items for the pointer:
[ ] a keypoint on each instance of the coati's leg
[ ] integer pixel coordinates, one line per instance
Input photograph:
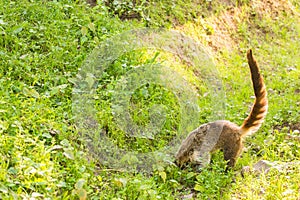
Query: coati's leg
(232, 152)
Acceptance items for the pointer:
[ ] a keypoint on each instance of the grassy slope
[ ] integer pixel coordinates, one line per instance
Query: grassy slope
(43, 44)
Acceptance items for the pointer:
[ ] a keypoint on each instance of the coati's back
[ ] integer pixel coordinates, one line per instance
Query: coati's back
(223, 134)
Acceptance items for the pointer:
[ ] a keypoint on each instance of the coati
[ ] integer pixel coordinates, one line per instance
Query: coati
(225, 135)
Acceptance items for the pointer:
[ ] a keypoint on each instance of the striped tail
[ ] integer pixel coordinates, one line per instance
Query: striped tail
(260, 106)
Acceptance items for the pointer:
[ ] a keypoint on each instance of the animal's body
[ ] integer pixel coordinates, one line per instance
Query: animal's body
(225, 135)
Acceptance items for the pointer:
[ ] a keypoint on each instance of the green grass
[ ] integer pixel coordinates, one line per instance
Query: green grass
(44, 43)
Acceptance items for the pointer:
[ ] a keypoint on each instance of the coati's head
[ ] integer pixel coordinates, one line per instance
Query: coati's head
(182, 158)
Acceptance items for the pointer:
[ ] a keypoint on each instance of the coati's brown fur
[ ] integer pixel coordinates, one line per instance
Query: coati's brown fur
(225, 135)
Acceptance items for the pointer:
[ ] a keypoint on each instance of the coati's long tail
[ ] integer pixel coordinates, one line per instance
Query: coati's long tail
(260, 106)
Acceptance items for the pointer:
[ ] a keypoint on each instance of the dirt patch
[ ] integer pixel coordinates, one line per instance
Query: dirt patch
(272, 8)
(214, 32)
(92, 2)
(226, 27)
(288, 125)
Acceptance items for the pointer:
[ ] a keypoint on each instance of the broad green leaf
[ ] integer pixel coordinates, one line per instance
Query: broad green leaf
(17, 30)
(69, 154)
(2, 22)
(65, 143)
(79, 184)
(36, 194)
(3, 189)
(84, 30)
(190, 175)
(120, 182)
(99, 178)
(199, 188)
(56, 147)
(30, 93)
(163, 175)
(92, 27)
